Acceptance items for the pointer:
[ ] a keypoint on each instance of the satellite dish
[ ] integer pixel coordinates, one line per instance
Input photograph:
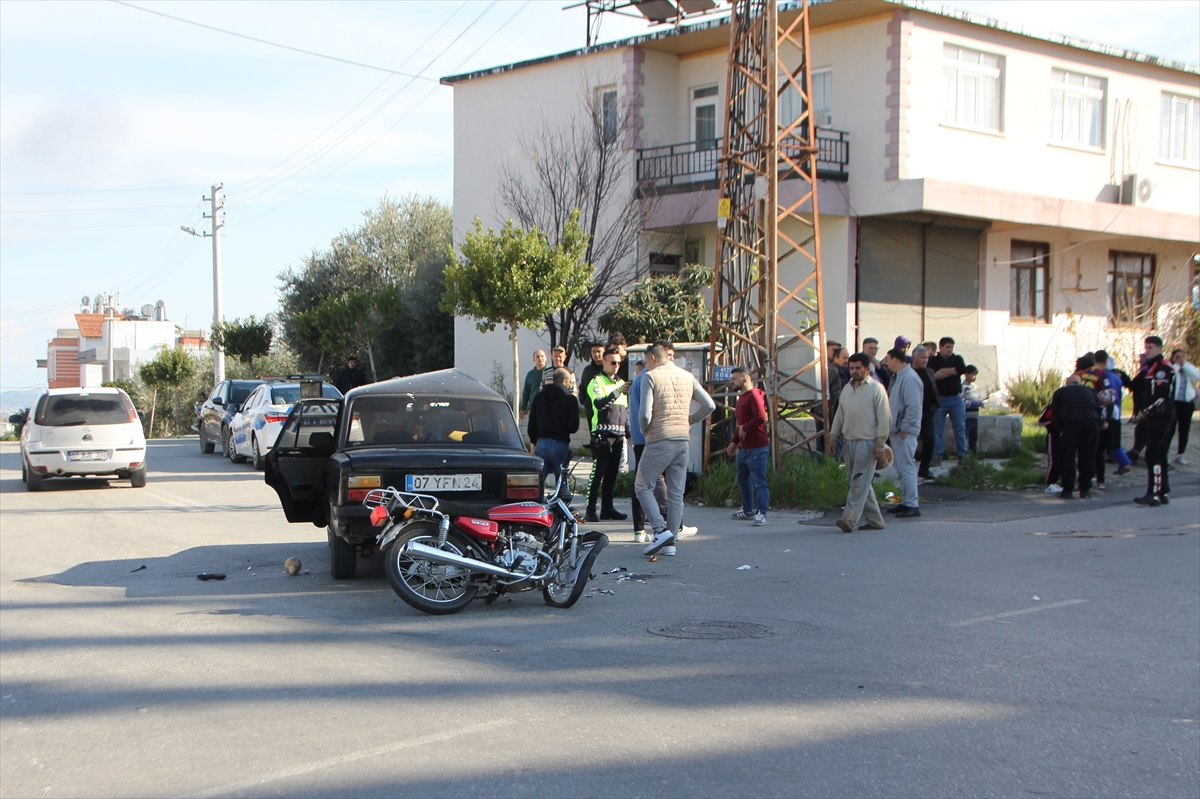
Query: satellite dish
(1145, 190)
(160, 304)
(147, 310)
(86, 300)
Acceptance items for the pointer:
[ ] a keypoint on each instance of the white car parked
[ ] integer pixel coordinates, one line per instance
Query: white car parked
(83, 431)
(254, 428)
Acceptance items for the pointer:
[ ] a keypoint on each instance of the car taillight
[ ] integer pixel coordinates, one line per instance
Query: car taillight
(357, 494)
(275, 418)
(133, 417)
(359, 485)
(522, 486)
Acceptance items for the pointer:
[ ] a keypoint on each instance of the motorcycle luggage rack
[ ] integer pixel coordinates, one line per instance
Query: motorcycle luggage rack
(405, 499)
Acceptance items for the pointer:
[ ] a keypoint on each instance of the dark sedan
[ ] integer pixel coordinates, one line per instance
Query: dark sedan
(441, 433)
(217, 412)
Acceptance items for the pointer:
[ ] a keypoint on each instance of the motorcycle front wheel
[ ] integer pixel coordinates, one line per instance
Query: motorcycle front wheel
(429, 587)
(566, 587)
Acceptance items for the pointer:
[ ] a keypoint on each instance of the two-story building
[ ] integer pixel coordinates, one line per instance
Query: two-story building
(1032, 195)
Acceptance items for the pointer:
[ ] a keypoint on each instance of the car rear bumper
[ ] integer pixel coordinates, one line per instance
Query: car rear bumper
(55, 462)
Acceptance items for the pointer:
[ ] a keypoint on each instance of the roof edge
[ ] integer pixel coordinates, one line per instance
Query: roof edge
(925, 6)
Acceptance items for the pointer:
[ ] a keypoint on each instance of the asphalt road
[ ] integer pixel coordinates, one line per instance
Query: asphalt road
(1009, 645)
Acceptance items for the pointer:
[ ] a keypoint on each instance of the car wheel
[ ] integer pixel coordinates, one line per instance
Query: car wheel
(24, 472)
(343, 558)
(206, 446)
(137, 478)
(233, 454)
(259, 462)
(33, 481)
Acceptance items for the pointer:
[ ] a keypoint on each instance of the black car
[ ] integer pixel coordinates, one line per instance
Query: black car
(441, 433)
(214, 416)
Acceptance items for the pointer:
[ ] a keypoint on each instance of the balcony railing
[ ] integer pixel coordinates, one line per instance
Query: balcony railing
(699, 161)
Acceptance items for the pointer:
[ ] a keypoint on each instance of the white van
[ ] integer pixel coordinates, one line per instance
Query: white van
(83, 431)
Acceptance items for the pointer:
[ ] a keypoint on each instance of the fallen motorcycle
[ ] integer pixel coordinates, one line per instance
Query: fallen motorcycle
(439, 563)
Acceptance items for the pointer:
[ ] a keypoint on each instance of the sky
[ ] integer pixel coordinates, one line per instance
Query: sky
(115, 122)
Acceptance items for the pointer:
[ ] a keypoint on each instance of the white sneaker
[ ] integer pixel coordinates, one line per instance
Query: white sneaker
(687, 532)
(668, 551)
(1182, 461)
(760, 519)
(640, 537)
(660, 540)
(742, 516)
(1054, 488)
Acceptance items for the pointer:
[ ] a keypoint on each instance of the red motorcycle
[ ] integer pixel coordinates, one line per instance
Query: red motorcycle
(438, 563)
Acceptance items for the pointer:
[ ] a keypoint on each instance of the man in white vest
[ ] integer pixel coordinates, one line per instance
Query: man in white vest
(665, 417)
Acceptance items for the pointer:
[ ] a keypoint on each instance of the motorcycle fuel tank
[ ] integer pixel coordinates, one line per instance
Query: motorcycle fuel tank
(522, 513)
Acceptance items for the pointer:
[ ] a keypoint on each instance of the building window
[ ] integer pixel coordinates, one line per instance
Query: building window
(822, 100)
(1028, 276)
(662, 263)
(1131, 288)
(693, 251)
(1076, 109)
(971, 88)
(704, 117)
(606, 110)
(1179, 134)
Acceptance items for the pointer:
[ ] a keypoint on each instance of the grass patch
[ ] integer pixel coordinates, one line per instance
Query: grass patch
(1033, 437)
(1018, 472)
(805, 481)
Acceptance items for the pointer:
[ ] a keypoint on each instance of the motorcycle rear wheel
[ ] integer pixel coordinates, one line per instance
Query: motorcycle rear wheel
(565, 593)
(429, 587)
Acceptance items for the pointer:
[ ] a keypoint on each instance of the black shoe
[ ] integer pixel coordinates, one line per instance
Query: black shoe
(924, 476)
(893, 509)
(1121, 471)
(1066, 495)
(1162, 498)
(1133, 455)
(1149, 499)
(908, 513)
(1085, 494)
(612, 514)
(591, 516)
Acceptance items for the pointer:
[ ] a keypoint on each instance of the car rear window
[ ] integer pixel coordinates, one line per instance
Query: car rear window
(239, 391)
(290, 395)
(414, 422)
(65, 410)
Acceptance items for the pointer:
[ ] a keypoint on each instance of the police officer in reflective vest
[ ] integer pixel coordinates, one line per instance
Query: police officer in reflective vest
(1154, 386)
(610, 423)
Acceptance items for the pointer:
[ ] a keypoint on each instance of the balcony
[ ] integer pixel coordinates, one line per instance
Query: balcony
(695, 164)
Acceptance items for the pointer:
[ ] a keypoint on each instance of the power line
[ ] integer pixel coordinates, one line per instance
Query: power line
(85, 227)
(270, 43)
(254, 181)
(89, 210)
(95, 191)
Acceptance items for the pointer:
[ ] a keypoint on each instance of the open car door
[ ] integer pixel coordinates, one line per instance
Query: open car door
(298, 464)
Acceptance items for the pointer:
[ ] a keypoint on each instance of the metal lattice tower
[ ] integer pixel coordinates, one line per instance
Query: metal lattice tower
(768, 307)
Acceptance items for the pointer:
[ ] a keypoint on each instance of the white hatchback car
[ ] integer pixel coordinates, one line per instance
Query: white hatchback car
(83, 431)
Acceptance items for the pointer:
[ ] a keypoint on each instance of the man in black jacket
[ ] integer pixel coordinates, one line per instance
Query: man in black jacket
(553, 417)
(351, 376)
(1076, 414)
(1153, 391)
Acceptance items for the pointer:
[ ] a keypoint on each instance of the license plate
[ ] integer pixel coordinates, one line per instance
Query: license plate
(88, 455)
(443, 482)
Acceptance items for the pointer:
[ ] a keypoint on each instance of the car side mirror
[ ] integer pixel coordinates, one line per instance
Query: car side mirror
(218, 401)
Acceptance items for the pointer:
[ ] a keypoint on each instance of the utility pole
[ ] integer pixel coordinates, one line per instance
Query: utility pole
(217, 215)
(108, 310)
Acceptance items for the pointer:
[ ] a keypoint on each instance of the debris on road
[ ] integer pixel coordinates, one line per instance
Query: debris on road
(743, 568)
(139, 568)
(210, 576)
(1037, 598)
(292, 566)
(617, 570)
(608, 591)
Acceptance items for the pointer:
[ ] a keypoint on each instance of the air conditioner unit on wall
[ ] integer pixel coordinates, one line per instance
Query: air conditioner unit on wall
(1138, 189)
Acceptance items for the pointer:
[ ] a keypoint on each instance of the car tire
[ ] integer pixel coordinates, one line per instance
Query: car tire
(24, 471)
(137, 478)
(230, 451)
(343, 558)
(206, 446)
(259, 461)
(33, 482)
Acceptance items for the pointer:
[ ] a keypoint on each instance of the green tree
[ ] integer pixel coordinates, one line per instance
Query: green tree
(353, 321)
(401, 243)
(516, 278)
(171, 368)
(246, 339)
(667, 307)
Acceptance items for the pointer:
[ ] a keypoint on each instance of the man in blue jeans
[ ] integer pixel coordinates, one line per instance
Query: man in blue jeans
(948, 370)
(752, 446)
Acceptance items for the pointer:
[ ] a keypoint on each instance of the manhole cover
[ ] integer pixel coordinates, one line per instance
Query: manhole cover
(712, 630)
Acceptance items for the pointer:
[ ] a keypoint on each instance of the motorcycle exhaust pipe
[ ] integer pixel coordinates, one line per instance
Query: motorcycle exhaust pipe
(424, 552)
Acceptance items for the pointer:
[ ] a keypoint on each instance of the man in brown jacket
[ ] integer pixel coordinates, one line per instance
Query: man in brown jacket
(862, 420)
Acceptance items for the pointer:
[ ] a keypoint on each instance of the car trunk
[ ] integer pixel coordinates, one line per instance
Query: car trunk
(84, 436)
(496, 466)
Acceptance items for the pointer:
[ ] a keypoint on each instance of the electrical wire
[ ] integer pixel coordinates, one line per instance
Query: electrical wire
(94, 191)
(388, 128)
(90, 210)
(378, 109)
(270, 43)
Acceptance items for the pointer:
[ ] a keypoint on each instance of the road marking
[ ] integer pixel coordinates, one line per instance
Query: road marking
(1005, 615)
(322, 765)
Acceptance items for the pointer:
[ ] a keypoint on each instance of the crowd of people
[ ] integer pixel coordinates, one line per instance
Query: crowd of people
(883, 409)
(1084, 421)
